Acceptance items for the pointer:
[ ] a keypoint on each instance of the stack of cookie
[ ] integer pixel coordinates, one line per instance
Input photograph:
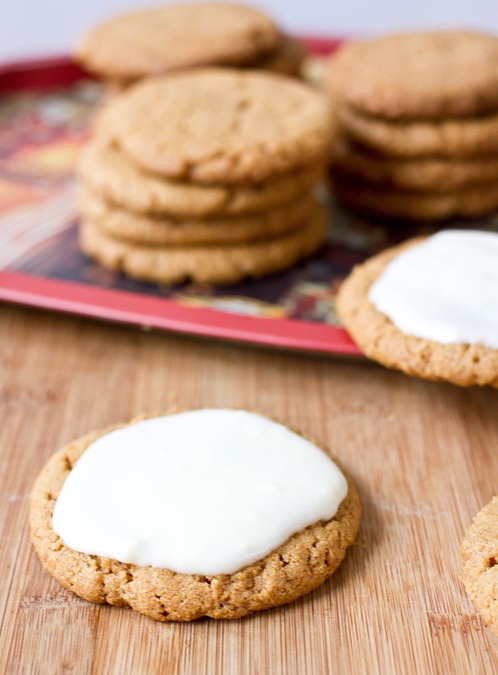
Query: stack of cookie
(158, 40)
(419, 120)
(206, 175)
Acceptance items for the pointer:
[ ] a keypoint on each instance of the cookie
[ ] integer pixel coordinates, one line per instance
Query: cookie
(463, 363)
(143, 229)
(450, 137)
(221, 125)
(418, 75)
(214, 264)
(301, 563)
(287, 59)
(163, 39)
(109, 172)
(476, 200)
(480, 563)
(429, 174)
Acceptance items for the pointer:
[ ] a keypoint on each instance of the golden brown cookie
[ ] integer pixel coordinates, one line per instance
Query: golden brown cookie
(379, 339)
(418, 75)
(143, 229)
(480, 563)
(172, 37)
(296, 567)
(450, 137)
(221, 125)
(287, 59)
(429, 174)
(110, 173)
(475, 200)
(211, 264)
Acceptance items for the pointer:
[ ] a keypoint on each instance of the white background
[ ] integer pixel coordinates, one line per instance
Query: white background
(51, 27)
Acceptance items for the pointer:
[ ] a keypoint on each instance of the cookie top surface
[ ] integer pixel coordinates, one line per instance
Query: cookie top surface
(458, 355)
(418, 75)
(162, 39)
(444, 289)
(220, 126)
(480, 562)
(274, 481)
(295, 567)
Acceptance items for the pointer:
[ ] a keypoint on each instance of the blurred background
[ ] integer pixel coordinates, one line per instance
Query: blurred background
(50, 27)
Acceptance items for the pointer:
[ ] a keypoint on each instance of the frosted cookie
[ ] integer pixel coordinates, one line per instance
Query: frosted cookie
(418, 75)
(480, 563)
(110, 173)
(433, 174)
(221, 126)
(143, 229)
(397, 203)
(450, 137)
(266, 516)
(162, 39)
(211, 264)
(429, 307)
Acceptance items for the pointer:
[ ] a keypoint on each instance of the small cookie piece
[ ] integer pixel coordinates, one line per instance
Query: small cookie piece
(445, 290)
(161, 230)
(110, 173)
(210, 264)
(306, 555)
(480, 563)
(449, 137)
(427, 174)
(400, 204)
(418, 75)
(162, 39)
(221, 126)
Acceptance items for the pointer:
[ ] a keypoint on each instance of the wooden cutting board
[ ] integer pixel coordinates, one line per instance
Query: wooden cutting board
(424, 457)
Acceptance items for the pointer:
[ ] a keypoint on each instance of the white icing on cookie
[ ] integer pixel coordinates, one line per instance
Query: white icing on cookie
(200, 492)
(444, 289)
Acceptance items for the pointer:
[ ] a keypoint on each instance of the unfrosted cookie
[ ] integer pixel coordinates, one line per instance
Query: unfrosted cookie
(418, 75)
(287, 59)
(221, 126)
(144, 229)
(110, 173)
(429, 174)
(212, 264)
(161, 39)
(462, 362)
(401, 204)
(298, 565)
(450, 137)
(480, 563)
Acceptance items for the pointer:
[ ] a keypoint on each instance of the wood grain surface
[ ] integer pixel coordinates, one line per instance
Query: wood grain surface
(424, 457)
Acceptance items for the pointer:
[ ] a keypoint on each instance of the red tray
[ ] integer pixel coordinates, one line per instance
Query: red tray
(44, 110)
